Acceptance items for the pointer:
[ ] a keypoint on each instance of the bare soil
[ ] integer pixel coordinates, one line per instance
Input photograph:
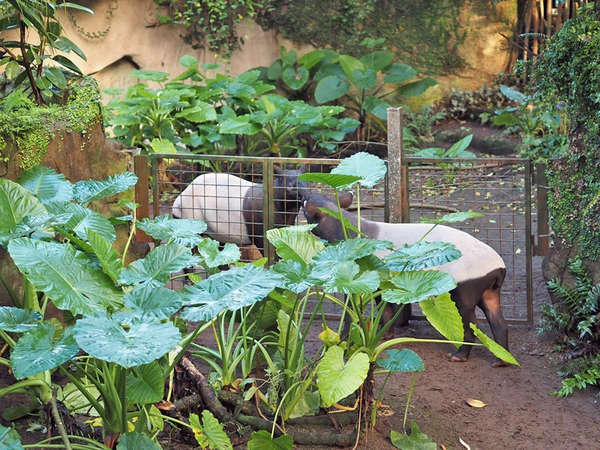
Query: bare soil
(520, 412)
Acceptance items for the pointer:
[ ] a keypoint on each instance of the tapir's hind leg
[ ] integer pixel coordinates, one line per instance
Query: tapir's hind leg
(490, 304)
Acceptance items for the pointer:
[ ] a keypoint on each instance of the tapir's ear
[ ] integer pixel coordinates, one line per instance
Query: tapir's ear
(303, 168)
(346, 198)
(278, 170)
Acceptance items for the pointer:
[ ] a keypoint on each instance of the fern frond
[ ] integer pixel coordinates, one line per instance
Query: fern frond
(16, 100)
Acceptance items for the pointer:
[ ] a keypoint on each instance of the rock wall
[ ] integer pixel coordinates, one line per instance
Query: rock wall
(136, 40)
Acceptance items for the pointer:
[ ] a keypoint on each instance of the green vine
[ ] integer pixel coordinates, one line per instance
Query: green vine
(566, 73)
(210, 23)
(110, 10)
(31, 128)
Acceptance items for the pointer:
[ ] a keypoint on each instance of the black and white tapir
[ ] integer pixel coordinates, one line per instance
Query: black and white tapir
(233, 208)
(479, 272)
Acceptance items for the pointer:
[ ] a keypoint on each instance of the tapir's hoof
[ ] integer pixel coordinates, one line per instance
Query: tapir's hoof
(454, 357)
(500, 363)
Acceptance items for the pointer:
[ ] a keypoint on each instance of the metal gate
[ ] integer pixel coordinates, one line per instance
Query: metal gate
(499, 188)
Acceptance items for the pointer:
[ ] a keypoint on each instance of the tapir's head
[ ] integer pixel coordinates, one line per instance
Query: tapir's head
(328, 227)
(293, 188)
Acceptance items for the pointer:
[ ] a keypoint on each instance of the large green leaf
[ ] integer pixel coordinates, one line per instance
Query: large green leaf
(109, 258)
(90, 191)
(18, 320)
(350, 250)
(349, 64)
(417, 285)
(513, 95)
(404, 360)
(494, 347)
(308, 403)
(311, 59)
(364, 79)
(37, 352)
(262, 440)
(295, 79)
(229, 290)
(151, 302)
(136, 441)
(159, 264)
(141, 343)
(145, 384)
(377, 60)
(16, 203)
(458, 148)
(376, 106)
(199, 113)
(330, 179)
(239, 125)
(336, 379)
(399, 73)
(213, 256)
(46, 185)
(369, 168)
(415, 441)
(183, 231)
(210, 433)
(443, 315)
(294, 243)
(296, 276)
(331, 88)
(10, 440)
(416, 88)
(346, 277)
(66, 276)
(81, 219)
(422, 255)
(460, 216)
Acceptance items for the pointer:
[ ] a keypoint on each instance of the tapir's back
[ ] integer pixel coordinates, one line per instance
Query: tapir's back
(217, 199)
(478, 259)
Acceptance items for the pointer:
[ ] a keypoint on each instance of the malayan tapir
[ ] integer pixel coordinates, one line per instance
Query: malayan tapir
(233, 208)
(479, 272)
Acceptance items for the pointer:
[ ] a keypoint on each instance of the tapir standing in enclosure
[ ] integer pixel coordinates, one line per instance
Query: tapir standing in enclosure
(479, 272)
(233, 208)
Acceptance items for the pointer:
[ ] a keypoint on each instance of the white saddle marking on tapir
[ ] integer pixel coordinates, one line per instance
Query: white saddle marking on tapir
(218, 200)
(478, 259)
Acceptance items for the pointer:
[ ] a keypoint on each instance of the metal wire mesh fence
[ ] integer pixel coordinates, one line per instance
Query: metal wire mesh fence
(500, 189)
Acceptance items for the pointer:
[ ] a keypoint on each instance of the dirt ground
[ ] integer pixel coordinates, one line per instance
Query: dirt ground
(520, 412)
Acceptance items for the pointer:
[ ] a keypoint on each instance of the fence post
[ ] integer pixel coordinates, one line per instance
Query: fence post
(397, 209)
(140, 168)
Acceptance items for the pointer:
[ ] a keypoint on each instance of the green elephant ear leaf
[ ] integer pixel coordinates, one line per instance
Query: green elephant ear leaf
(295, 79)
(336, 379)
(404, 360)
(494, 347)
(136, 441)
(295, 243)
(159, 264)
(81, 219)
(151, 302)
(228, 290)
(215, 257)
(333, 180)
(90, 191)
(414, 441)
(68, 277)
(10, 439)
(331, 88)
(37, 352)
(443, 315)
(369, 168)
(141, 343)
(46, 185)
(346, 277)
(262, 440)
(106, 254)
(185, 232)
(18, 320)
(145, 384)
(418, 285)
(460, 216)
(210, 433)
(16, 203)
(422, 255)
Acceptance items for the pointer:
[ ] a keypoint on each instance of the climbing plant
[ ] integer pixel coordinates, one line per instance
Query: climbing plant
(566, 73)
(209, 24)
